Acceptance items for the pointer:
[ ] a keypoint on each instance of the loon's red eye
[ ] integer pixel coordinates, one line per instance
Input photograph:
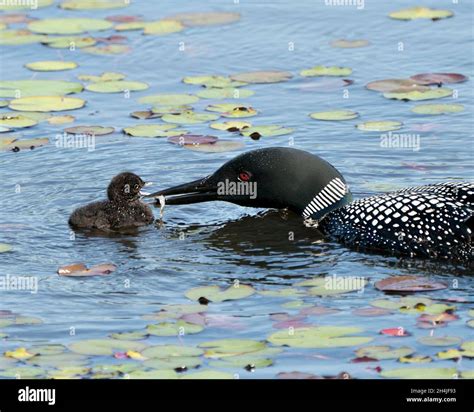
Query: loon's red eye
(244, 176)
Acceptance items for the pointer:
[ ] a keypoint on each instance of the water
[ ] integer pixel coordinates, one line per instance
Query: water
(222, 242)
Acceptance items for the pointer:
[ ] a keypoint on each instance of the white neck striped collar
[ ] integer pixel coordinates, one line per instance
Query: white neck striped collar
(326, 200)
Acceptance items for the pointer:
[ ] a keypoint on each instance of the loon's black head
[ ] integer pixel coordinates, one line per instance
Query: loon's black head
(125, 187)
(276, 177)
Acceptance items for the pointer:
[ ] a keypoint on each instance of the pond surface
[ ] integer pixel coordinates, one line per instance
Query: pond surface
(218, 243)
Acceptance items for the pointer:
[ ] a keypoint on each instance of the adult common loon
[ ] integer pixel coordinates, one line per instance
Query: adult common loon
(434, 221)
(122, 209)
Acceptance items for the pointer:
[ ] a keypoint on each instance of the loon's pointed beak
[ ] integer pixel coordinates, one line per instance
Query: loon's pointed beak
(201, 190)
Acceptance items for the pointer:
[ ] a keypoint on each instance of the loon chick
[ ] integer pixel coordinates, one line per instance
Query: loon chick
(434, 221)
(122, 209)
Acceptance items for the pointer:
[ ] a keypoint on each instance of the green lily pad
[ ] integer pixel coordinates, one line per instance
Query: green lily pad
(52, 349)
(168, 351)
(51, 66)
(256, 77)
(153, 374)
(420, 373)
(327, 286)
(20, 37)
(349, 44)
(104, 77)
(415, 359)
(210, 18)
(384, 352)
(256, 132)
(334, 115)
(417, 95)
(73, 372)
(93, 4)
(440, 340)
(27, 88)
(4, 247)
(326, 71)
(161, 110)
(189, 118)
(58, 360)
(225, 93)
(434, 109)
(415, 13)
(162, 27)
(169, 99)
(470, 323)
(104, 346)
(46, 103)
(136, 335)
(68, 25)
(242, 361)
(467, 374)
(23, 372)
(14, 144)
(108, 50)
(213, 82)
(380, 126)
(69, 42)
(231, 347)
(319, 337)
(174, 329)
(133, 25)
(405, 302)
(90, 130)
(23, 5)
(116, 86)
(230, 126)
(232, 110)
(153, 130)
(281, 293)
(216, 294)
(173, 362)
(208, 374)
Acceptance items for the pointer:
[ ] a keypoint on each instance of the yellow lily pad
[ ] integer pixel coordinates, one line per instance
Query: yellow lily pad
(93, 4)
(174, 329)
(26, 88)
(334, 115)
(349, 44)
(231, 126)
(46, 103)
(434, 109)
(68, 25)
(104, 77)
(274, 76)
(255, 132)
(19, 37)
(5, 247)
(380, 126)
(326, 71)
(414, 13)
(225, 93)
(169, 351)
(16, 121)
(213, 81)
(12, 143)
(67, 118)
(51, 66)
(415, 359)
(116, 86)
(162, 27)
(216, 294)
(153, 130)
(212, 18)
(69, 42)
(416, 95)
(20, 354)
(169, 99)
(23, 5)
(189, 118)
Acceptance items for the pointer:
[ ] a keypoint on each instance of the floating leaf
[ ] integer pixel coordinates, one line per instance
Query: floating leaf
(46, 103)
(22, 372)
(262, 77)
(326, 286)
(154, 130)
(384, 352)
(335, 115)
(174, 362)
(68, 25)
(231, 126)
(161, 110)
(90, 130)
(50, 65)
(281, 293)
(173, 329)
(407, 303)
(189, 118)
(104, 346)
(69, 42)
(216, 294)
(420, 373)
(439, 78)
(255, 132)
(169, 99)
(415, 359)
(145, 114)
(162, 27)
(247, 362)
(206, 18)
(19, 37)
(19, 354)
(396, 85)
(59, 360)
(349, 44)
(231, 347)
(409, 284)
(79, 269)
(192, 139)
(67, 118)
(380, 126)
(153, 374)
(371, 312)
(16, 121)
(326, 71)
(414, 13)
(417, 95)
(109, 50)
(116, 86)
(4, 247)
(14, 144)
(434, 109)
(168, 351)
(440, 340)
(213, 82)
(319, 337)
(23, 5)
(104, 77)
(225, 93)
(93, 4)
(26, 88)
(131, 25)
(137, 335)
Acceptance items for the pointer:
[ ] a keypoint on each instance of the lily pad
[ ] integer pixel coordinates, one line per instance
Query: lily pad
(439, 78)
(212, 18)
(327, 286)
(152, 374)
(16, 121)
(93, 4)
(213, 82)
(417, 95)
(104, 346)
(69, 42)
(247, 362)
(50, 65)
(154, 130)
(319, 337)
(420, 373)
(90, 130)
(67, 118)
(380, 126)
(162, 27)
(231, 126)
(349, 44)
(434, 109)
(68, 25)
(169, 351)
(217, 147)
(137, 335)
(174, 362)
(19, 37)
(208, 374)
(27, 88)
(189, 118)
(396, 85)
(23, 372)
(19, 354)
(23, 5)
(225, 93)
(173, 329)
(384, 352)
(109, 50)
(415, 359)
(440, 340)
(130, 25)
(409, 284)
(281, 293)
(216, 294)
(116, 86)
(59, 360)
(192, 139)
(415, 13)
(334, 115)
(326, 71)
(169, 99)
(161, 110)
(14, 144)
(274, 76)
(256, 132)
(80, 270)
(104, 77)
(4, 247)
(231, 347)
(46, 103)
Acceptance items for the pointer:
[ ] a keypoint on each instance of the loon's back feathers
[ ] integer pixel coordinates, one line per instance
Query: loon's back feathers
(426, 221)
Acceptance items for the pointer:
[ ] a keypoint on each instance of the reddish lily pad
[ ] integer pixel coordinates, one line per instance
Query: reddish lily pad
(90, 130)
(216, 147)
(439, 78)
(192, 139)
(409, 284)
(395, 332)
(79, 269)
(396, 85)
(262, 77)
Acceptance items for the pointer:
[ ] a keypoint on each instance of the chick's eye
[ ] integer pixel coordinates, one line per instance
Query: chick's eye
(244, 176)
(137, 186)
